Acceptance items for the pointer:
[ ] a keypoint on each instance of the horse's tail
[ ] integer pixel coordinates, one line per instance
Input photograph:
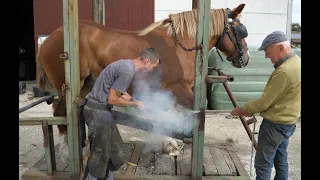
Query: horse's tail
(42, 80)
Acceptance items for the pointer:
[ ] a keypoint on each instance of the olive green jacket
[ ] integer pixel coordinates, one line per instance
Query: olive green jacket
(281, 98)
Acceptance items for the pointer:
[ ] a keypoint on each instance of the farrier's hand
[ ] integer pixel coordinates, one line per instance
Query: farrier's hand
(139, 105)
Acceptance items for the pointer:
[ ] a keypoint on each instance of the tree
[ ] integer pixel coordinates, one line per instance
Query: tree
(295, 27)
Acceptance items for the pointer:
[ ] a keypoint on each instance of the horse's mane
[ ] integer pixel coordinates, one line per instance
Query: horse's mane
(189, 19)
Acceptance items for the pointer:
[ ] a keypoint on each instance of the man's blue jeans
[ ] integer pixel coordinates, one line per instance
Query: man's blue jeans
(272, 146)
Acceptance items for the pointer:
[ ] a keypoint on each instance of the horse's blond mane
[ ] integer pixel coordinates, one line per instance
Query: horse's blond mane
(189, 19)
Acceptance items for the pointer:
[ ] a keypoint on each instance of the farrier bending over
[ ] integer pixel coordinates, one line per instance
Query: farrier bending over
(110, 89)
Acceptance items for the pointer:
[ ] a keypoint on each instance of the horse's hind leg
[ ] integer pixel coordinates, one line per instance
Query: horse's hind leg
(59, 109)
(183, 93)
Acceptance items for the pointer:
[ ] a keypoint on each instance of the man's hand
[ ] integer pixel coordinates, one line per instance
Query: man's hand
(139, 105)
(238, 112)
(126, 96)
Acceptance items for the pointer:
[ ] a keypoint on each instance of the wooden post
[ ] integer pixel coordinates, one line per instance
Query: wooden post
(72, 82)
(99, 11)
(200, 90)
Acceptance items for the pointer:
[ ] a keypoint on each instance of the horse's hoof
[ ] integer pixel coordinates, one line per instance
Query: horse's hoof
(64, 152)
(64, 157)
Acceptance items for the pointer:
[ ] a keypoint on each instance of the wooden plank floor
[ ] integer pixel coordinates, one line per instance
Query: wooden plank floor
(219, 160)
(41, 165)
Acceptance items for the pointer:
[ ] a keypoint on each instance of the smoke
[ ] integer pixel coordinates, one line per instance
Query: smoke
(160, 107)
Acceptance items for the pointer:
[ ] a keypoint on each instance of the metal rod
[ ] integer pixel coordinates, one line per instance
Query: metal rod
(243, 120)
(222, 73)
(35, 103)
(251, 159)
(216, 79)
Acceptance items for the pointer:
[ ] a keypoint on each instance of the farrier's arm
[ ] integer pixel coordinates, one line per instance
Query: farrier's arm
(120, 86)
(116, 99)
(273, 92)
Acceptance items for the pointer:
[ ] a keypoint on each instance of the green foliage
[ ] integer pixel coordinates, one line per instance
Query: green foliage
(296, 27)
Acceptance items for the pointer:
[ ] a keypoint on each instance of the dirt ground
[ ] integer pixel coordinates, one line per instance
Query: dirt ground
(218, 128)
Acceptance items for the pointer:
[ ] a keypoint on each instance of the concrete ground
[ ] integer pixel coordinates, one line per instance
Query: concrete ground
(218, 128)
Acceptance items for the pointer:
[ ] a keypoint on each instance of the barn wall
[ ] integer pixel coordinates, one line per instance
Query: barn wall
(120, 14)
(48, 14)
(164, 7)
(129, 15)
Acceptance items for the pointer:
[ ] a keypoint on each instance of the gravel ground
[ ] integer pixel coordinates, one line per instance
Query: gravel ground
(218, 128)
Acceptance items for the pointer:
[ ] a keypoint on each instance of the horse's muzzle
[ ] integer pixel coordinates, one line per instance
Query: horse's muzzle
(242, 61)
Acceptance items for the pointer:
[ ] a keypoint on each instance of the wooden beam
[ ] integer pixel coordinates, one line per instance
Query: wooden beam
(209, 166)
(123, 118)
(149, 177)
(48, 145)
(228, 159)
(221, 164)
(236, 161)
(41, 165)
(200, 87)
(72, 83)
(42, 175)
(131, 168)
(226, 178)
(167, 177)
(99, 11)
(33, 121)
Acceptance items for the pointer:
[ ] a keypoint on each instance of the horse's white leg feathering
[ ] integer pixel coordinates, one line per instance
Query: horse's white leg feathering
(63, 149)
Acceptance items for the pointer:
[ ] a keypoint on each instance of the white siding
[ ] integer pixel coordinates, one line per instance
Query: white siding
(165, 7)
(261, 17)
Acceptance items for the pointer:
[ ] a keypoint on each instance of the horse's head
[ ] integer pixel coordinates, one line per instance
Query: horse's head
(232, 41)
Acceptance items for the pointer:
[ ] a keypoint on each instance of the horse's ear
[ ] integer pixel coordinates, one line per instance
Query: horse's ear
(237, 11)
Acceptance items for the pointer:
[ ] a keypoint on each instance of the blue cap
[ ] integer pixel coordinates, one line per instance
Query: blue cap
(274, 37)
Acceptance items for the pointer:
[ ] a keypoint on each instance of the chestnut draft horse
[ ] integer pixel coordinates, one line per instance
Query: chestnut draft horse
(99, 46)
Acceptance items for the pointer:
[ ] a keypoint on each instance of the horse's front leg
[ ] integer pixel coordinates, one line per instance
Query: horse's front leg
(184, 95)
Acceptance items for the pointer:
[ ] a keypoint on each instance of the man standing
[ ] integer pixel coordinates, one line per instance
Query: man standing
(110, 89)
(279, 105)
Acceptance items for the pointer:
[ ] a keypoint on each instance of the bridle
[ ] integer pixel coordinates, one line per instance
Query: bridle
(235, 39)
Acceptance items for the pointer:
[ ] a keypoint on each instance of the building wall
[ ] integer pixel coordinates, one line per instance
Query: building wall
(48, 14)
(120, 14)
(260, 16)
(164, 7)
(129, 14)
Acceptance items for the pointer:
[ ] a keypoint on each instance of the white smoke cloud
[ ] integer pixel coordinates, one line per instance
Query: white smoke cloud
(160, 107)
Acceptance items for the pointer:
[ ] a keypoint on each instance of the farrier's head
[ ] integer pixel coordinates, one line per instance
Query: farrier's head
(150, 59)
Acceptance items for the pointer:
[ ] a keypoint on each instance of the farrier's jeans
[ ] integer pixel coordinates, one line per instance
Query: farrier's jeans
(272, 146)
